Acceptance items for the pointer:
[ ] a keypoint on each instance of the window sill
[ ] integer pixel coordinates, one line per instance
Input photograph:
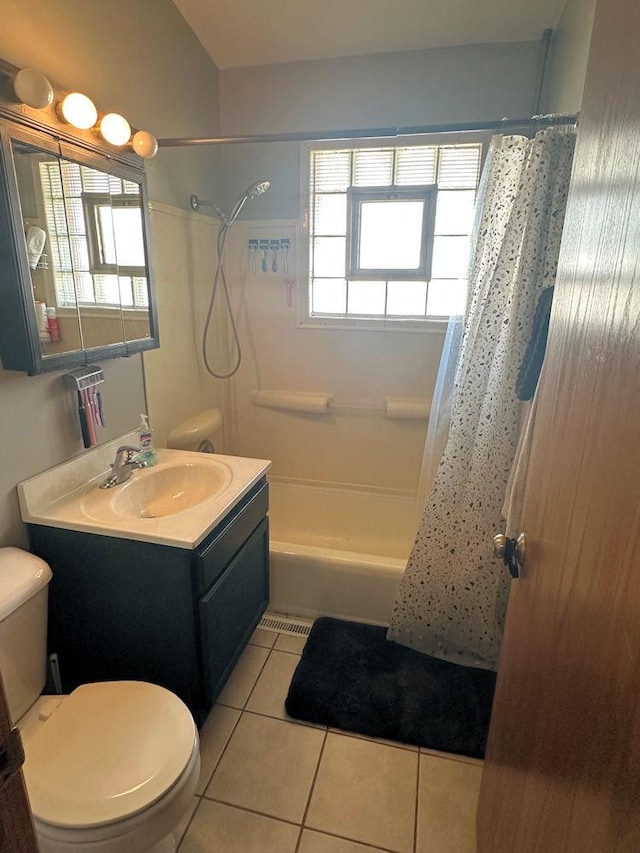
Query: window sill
(371, 324)
(103, 311)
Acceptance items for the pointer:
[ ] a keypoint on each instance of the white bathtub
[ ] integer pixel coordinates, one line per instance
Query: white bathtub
(337, 551)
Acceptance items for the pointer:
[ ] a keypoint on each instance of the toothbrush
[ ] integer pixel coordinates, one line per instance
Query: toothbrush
(86, 405)
(100, 408)
(84, 423)
(90, 417)
(94, 409)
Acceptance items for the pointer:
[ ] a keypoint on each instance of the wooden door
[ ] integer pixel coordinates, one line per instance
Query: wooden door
(562, 773)
(16, 828)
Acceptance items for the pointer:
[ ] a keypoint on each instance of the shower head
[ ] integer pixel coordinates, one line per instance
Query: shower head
(257, 189)
(251, 192)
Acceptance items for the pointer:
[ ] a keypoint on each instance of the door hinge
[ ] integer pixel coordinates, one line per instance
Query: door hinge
(11, 757)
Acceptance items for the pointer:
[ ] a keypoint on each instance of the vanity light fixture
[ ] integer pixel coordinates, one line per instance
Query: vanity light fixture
(32, 88)
(144, 144)
(115, 129)
(78, 110)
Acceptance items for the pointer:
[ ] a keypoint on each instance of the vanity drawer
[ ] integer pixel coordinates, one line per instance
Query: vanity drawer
(217, 552)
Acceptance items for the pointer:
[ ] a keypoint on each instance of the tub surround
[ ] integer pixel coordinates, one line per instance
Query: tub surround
(336, 550)
(68, 496)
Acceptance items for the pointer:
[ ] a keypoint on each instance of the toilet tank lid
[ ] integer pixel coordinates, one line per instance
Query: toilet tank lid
(22, 575)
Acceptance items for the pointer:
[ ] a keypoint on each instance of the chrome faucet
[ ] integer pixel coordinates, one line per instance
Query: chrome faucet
(123, 466)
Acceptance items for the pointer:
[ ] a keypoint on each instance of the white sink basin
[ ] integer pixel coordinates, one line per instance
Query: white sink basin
(177, 502)
(156, 492)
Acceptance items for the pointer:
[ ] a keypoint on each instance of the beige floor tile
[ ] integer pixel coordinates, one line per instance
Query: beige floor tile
(268, 766)
(186, 817)
(214, 736)
(273, 685)
(240, 684)
(395, 743)
(290, 643)
(260, 637)
(222, 829)
(365, 791)
(447, 803)
(318, 842)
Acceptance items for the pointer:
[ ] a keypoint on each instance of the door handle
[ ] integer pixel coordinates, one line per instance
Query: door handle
(511, 552)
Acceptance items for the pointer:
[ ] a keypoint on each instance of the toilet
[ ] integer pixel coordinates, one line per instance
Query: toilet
(110, 768)
(198, 433)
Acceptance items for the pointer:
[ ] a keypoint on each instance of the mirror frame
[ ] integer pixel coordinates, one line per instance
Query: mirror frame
(19, 340)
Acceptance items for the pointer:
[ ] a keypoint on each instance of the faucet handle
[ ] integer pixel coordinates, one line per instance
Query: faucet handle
(125, 453)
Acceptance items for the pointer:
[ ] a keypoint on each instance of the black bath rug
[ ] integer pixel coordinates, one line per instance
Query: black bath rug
(351, 677)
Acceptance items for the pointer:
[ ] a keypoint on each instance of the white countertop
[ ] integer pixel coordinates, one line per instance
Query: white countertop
(68, 496)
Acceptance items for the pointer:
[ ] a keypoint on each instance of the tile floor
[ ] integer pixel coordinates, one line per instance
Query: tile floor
(273, 785)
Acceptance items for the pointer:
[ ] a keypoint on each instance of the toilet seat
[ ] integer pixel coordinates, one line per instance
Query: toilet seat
(139, 833)
(110, 751)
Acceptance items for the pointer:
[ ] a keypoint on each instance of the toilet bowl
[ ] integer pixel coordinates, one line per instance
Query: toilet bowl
(198, 433)
(112, 767)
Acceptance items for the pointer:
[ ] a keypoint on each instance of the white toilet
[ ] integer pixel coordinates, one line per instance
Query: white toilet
(110, 768)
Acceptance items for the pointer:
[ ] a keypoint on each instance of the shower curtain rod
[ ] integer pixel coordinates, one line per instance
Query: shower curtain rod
(374, 133)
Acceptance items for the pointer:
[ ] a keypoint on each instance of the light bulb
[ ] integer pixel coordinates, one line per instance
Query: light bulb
(144, 144)
(33, 89)
(115, 129)
(79, 111)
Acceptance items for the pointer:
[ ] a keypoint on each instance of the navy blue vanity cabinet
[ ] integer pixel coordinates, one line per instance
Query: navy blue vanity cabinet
(123, 609)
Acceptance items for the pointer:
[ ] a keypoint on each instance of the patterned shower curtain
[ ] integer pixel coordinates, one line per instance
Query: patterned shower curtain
(452, 598)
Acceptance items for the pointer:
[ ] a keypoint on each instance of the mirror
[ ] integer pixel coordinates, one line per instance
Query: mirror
(80, 228)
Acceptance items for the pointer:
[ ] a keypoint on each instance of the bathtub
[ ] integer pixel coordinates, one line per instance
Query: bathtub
(337, 551)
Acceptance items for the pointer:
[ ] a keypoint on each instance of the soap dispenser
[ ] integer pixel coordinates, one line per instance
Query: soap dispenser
(145, 441)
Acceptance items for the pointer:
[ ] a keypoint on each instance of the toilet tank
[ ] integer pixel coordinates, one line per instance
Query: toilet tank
(23, 627)
(197, 433)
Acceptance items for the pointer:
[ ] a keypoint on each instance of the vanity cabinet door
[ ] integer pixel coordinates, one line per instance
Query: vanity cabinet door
(232, 608)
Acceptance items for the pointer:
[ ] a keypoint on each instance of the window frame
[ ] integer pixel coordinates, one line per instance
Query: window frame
(305, 319)
(356, 196)
(91, 203)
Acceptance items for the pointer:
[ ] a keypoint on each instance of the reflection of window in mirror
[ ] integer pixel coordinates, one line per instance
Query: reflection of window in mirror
(100, 217)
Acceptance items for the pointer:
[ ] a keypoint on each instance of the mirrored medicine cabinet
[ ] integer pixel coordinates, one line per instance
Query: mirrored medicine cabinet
(75, 272)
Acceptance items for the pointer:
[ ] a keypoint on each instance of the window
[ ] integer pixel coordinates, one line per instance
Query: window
(373, 214)
(390, 230)
(89, 214)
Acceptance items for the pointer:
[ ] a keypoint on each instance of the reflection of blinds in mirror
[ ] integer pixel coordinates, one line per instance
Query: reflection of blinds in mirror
(64, 187)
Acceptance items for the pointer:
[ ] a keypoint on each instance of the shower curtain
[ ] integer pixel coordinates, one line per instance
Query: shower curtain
(440, 409)
(452, 598)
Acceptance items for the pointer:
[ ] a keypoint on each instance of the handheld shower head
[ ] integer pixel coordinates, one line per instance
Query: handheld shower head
(251, 192)
(226, 221)
(257, 189)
